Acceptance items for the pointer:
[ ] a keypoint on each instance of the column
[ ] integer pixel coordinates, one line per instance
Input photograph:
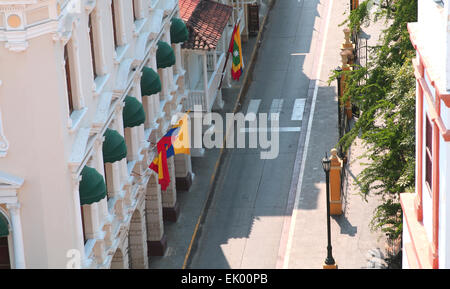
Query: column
(16, 225)
(335, 183)
(137, 93)
(156, 239)
(183, 164)
(169, 197)
(169, 70)
(132, 141)
(99, 165)
(118, 122)
(183, 172)
(164, 95)
(205, 82)
(78, 223)
(151, 102)
(113, 175)
(178, 65)
(137, 239)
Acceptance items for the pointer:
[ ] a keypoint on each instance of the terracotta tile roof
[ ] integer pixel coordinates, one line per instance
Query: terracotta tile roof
(206, 21)
(187, 7)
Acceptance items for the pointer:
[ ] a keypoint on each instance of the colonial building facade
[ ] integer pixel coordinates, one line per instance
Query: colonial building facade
(87, 88)
(426, 226)
(205, 53)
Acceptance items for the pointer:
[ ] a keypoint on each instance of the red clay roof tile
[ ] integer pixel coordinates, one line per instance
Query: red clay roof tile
(206, 21)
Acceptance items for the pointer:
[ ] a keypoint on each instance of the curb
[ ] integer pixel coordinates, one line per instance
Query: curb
(242, 92)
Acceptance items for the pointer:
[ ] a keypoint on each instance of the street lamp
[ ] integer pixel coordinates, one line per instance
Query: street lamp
(338, 71)
(329, 261)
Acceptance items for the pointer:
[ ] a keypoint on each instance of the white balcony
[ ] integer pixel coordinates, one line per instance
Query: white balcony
(205, 95)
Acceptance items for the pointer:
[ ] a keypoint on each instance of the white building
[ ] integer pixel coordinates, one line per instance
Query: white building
(211, 25)
(426, 214)
(87, 87)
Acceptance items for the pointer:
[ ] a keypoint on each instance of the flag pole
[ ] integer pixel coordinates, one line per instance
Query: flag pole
(228, 56)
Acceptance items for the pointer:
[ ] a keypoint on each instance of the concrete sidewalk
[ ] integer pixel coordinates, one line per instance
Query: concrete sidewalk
(354, 244)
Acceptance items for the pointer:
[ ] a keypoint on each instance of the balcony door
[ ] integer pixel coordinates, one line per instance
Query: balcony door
(4, 254)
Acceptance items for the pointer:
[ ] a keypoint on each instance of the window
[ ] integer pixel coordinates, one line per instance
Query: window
(429, 153)
(68, 80)
(113, 12)
(91, 39)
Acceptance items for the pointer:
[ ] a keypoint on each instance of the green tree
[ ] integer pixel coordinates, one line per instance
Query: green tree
(384, 91)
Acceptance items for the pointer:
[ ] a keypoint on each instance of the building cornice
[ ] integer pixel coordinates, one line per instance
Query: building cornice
(25, 20)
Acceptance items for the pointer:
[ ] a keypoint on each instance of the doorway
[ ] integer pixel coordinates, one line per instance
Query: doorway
(4, 253)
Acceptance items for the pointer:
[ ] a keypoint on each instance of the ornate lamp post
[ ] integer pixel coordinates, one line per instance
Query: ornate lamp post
(338, 71)
(329, 261)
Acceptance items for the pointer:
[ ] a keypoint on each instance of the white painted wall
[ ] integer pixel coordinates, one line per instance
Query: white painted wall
(434, 42)
(35, 119)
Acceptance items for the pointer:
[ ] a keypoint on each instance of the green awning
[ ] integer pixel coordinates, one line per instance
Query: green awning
(4, 230)
(150, 82)
(178, 31)
(114, 146)
(133, 112)
(165, 56)
(92, 186)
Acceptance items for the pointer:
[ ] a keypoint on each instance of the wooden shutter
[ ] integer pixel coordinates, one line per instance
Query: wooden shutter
(429, 153)
(253, 19)
(68, 80)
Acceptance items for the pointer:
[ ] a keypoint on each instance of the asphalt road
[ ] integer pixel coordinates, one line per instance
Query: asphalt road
(244, 223)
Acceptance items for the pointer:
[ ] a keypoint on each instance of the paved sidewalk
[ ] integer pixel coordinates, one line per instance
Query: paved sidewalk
(354, 245)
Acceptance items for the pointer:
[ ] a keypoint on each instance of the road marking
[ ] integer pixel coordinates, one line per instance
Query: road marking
(299, 108)
(275, 108)
(267, 129)
(252, 109)
(308, 136)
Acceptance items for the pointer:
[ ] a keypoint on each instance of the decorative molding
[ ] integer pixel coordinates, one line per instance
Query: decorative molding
(4, 144)
(9, 185)
(26, 20)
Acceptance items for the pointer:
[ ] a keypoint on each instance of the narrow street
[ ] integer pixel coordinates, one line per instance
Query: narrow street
(244, 224)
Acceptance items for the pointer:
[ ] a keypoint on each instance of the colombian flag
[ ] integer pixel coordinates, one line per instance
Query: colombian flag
(181, 144)
(236, 51)
(159, 164)
(175, 141)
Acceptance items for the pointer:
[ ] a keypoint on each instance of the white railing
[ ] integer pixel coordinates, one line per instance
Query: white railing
(207, 99)
(195, 97)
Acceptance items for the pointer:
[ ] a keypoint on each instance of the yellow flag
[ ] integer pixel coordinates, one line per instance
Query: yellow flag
(182, 144)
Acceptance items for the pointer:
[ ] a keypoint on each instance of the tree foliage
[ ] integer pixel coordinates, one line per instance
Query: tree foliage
(386, 100)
